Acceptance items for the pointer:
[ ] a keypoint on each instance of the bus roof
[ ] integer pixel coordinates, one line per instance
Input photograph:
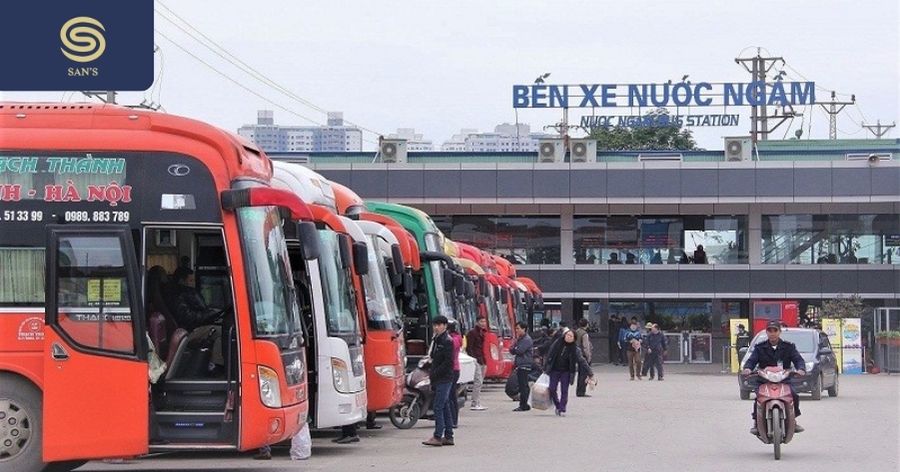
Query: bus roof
(306, 183)
(414, 220)
(103, 127)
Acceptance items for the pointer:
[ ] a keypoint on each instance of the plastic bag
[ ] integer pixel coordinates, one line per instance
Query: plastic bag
(301, 445)
(540, 393)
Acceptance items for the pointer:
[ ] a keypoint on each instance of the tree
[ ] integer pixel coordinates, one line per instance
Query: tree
(640, 138)
(850, 307)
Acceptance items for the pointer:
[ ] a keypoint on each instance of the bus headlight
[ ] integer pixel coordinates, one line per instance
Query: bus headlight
(341, 375)
(386, 371)
(269, 391)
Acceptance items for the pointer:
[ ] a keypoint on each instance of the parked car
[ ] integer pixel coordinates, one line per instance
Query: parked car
(821, 363)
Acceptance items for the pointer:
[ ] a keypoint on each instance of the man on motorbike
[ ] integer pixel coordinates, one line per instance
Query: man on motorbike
(773, 352)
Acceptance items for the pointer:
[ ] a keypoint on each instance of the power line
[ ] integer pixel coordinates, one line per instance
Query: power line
(241, 85)
(248, 69)
(235, 82)
(833, 109)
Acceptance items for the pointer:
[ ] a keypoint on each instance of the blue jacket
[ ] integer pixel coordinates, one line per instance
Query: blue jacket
(630, 336)
(523, 350)
(622, 332)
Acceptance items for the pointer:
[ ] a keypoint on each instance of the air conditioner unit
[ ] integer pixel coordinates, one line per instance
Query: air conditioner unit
(551, 150)
(739, 149)
(393, 150)
(869, 156)
(661, 156)
(583, 150)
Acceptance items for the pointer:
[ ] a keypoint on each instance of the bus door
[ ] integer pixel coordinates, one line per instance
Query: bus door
(95, 366)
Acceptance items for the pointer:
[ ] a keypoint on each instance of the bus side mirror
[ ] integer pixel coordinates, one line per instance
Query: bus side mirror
(346, 259)
(360, 258)
(309, 240)
(407, 284)
(459, 283)
(447, 276)
(397, 259)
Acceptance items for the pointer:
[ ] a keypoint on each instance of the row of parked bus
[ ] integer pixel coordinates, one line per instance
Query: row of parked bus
(258, 295)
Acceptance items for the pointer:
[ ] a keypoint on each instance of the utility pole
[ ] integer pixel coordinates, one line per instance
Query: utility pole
(834, 107)
(759, 67)
(879, 129)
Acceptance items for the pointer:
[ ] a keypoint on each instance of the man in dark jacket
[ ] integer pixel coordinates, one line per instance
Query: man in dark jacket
(772, 352)
(475, 348)
(441, 377)
(583, 341)
(613, 337)
(185, 302)
(522, 349)
(656, 349)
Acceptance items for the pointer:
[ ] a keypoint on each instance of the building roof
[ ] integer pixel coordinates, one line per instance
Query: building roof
(788, 150)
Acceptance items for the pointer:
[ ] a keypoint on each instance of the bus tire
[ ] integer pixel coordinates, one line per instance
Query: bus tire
(20, 414)
(65, 466)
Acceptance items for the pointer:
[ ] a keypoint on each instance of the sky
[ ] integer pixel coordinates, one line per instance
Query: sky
(442, 66)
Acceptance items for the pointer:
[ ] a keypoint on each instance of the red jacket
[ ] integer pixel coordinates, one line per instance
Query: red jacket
(475, 344)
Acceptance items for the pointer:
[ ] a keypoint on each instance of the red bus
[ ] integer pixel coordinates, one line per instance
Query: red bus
(121, 230)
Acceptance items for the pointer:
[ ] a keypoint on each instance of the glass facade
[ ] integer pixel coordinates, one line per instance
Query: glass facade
(831, 239)
(520, 239)
(660, 239)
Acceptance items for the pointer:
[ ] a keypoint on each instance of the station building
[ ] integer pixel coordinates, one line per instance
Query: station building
(797, 221)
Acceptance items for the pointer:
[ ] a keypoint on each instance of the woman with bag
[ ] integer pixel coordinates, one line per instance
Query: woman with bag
(563, 361)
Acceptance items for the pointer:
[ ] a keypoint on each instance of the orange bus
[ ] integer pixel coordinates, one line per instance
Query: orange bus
(384, 349)
(129, 236)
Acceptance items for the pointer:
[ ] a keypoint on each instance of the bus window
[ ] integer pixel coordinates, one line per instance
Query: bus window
(93, 298)
(22, 280)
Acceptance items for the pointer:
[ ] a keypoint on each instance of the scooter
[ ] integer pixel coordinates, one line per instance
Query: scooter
(418, 398)
(775, 408)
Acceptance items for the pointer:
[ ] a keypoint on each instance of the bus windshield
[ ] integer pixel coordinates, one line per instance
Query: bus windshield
(273, 305)
(340, 304)
(382, 309)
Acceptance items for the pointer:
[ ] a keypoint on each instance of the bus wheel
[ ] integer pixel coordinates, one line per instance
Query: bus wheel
(67, 466)
(20, 425)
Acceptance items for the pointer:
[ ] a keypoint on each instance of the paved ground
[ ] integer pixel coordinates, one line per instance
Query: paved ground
(689, 422)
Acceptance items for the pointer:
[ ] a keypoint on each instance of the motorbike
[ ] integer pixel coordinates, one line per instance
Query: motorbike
(418, 398)
(775, 408)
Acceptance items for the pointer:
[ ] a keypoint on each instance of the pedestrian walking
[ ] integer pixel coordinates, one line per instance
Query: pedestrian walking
(541, 340)
(623, 348)
(523, 350)
(613, 338)
(563, 361)
(633, 350)
(441, 377)
(656, 350)
(475, 348)
(457, 340)
(583, 341)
